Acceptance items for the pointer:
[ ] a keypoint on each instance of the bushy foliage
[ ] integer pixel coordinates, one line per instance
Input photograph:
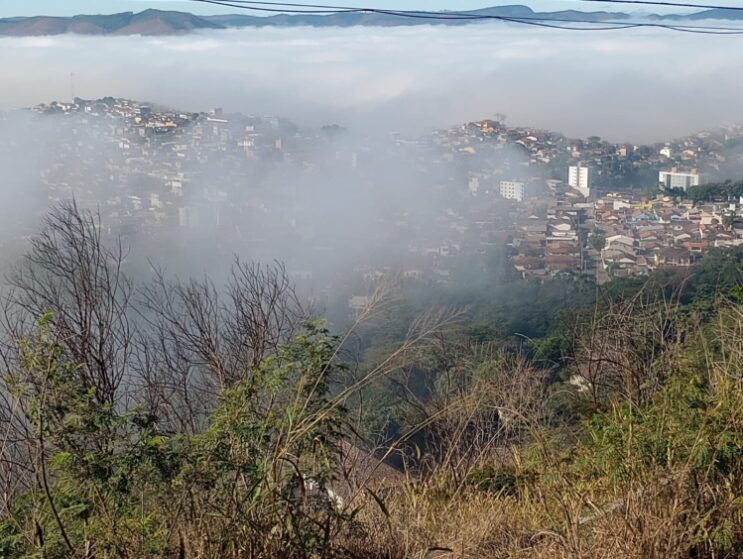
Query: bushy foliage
(614, 431)
(111, 484)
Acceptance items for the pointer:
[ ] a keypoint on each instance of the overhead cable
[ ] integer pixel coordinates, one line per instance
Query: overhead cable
(569, 24)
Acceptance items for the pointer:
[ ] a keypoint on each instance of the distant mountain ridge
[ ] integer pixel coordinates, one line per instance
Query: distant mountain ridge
(158, 22)
(148, 22)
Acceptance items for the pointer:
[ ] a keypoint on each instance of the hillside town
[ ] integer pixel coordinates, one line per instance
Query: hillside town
(599, 209)
(555, 206)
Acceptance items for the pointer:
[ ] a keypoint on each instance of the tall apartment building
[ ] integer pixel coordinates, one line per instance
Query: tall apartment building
(578, 178)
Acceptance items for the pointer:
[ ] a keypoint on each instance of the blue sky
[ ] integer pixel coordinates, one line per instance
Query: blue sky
(9, 8)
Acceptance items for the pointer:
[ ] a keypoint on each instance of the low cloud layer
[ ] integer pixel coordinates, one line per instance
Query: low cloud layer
(635, 85)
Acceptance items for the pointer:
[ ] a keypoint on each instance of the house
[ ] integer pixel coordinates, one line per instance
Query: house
(673, 257)
(620, 242)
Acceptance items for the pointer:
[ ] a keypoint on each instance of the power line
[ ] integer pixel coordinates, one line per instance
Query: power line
(670, 4)
(245, 6)
(290, 8)
(249, 6)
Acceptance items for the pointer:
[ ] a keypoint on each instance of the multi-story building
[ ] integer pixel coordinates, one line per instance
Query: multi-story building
(677, 179)
(578, 178)
(512, 190)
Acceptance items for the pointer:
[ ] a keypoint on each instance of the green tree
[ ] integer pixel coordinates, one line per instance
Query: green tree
(597, 240)
(109, 483)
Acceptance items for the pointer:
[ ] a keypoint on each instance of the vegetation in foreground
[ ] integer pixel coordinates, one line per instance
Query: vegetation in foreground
(176, 419)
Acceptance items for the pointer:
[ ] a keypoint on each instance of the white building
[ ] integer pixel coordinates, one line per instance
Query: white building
(675, 179)
(578, 178)
(512, 190)
(155, 201)
(473, 185)
(188, 217)
(359, 303)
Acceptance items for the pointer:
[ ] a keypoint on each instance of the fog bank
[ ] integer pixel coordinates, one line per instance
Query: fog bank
(632, 85)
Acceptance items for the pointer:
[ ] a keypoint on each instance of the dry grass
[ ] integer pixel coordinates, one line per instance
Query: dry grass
(421, 520)
(685, 505)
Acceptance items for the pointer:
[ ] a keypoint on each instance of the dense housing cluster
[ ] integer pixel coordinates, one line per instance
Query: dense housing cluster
(555, 205)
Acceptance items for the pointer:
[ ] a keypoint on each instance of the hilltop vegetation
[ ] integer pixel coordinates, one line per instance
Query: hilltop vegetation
(174, 418)
(716, 190)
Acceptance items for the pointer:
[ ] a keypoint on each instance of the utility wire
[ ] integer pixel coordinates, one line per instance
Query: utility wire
(671, 4)
(290, 8)
(445, 14)
(412, 15)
